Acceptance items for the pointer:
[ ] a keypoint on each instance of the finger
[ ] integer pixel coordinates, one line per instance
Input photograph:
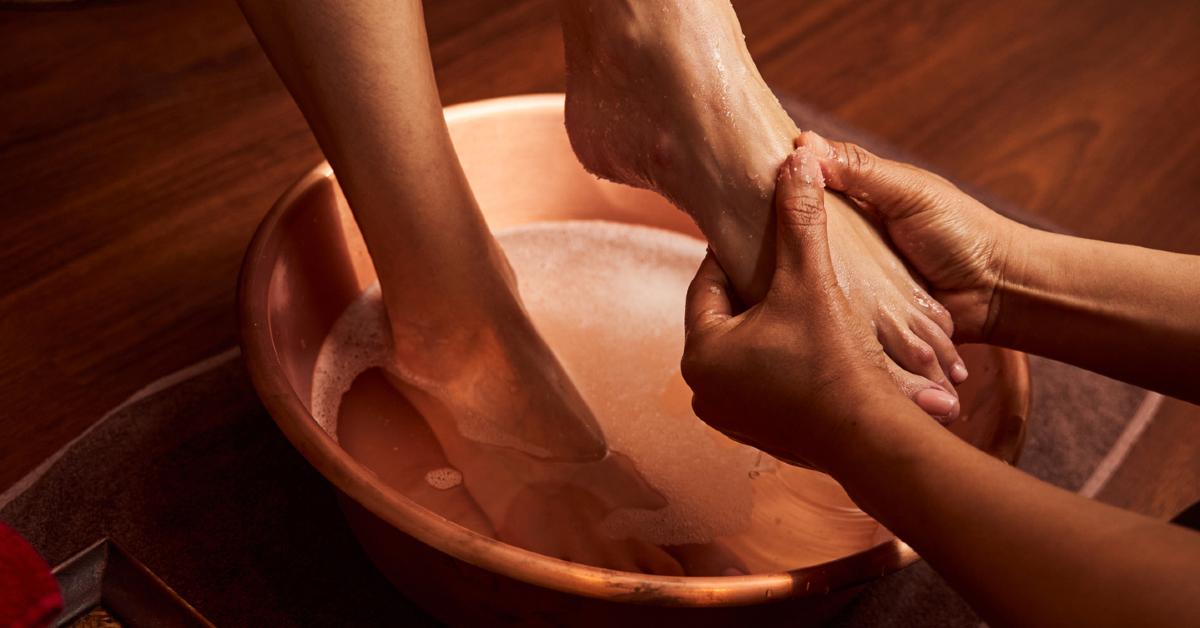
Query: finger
(947, 354)
(803, 246)
(894, 189)
(708, 302)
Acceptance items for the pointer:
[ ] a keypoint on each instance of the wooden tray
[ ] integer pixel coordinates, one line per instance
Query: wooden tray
(105, 586)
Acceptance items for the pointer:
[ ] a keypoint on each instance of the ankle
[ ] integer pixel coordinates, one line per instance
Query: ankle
(454, 323)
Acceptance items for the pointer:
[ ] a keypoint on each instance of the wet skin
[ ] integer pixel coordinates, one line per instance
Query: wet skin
(665, 96)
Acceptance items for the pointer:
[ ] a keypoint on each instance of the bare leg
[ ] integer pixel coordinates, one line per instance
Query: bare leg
(662, 94)
(467, 355)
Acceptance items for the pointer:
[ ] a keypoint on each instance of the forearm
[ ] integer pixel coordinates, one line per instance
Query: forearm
(1021, 551)
(1123, 311)
(362, 75)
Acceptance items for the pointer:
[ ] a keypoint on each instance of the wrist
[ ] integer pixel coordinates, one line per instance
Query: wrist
(856, 428)
(1010, 277)
(902, 444)
(1029, 277)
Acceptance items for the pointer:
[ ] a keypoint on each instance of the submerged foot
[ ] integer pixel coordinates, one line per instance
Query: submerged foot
(540, 506)
(491, 377)
(665, 96)
(506, 415)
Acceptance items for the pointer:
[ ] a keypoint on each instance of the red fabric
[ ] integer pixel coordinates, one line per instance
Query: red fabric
(29, 594)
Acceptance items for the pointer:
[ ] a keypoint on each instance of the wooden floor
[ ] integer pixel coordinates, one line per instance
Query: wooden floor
(141, 141)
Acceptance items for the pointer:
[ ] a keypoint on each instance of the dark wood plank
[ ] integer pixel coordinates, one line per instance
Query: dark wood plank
(141, 141)
(1161, 475)
(1079, 111)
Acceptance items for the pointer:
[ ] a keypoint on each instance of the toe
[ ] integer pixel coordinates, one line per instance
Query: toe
(911, 352)
(585, 550)
(930, 397)
(634, 556)
(940, 404)
(706, 559)
(936, 338)
(652, 559)
(930, 308)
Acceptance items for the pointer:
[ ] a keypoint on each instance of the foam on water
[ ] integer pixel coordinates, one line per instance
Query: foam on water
(609, 300)
(444, 478)
(359, 340)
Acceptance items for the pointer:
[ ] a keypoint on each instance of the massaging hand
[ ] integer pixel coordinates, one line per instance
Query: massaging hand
(959, 246)
(799, 354)
(1123, 311)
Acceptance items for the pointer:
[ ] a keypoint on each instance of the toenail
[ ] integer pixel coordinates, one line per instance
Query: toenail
(936, 402)
(958, 373)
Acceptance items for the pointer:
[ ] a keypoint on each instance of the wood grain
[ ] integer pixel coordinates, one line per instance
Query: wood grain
(140, 143)
(1161, 475)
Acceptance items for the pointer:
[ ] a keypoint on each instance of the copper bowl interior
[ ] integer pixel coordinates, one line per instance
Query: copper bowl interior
(308, 261)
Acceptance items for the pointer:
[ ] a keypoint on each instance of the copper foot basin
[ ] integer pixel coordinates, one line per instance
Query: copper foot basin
(308, 261)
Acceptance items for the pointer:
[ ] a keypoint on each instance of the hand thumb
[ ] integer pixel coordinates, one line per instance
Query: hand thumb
(803, 241)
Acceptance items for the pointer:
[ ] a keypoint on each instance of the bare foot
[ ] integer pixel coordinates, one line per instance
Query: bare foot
(550, 507)
(555, 507)
(664, 95)
(505, 414)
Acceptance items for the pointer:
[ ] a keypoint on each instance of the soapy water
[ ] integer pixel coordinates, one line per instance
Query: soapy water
(608, 299)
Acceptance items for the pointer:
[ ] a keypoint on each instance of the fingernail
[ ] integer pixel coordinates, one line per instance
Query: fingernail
(818, 144)
(938, 403)
(788, 169)
(958, 373)
(809, 168)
